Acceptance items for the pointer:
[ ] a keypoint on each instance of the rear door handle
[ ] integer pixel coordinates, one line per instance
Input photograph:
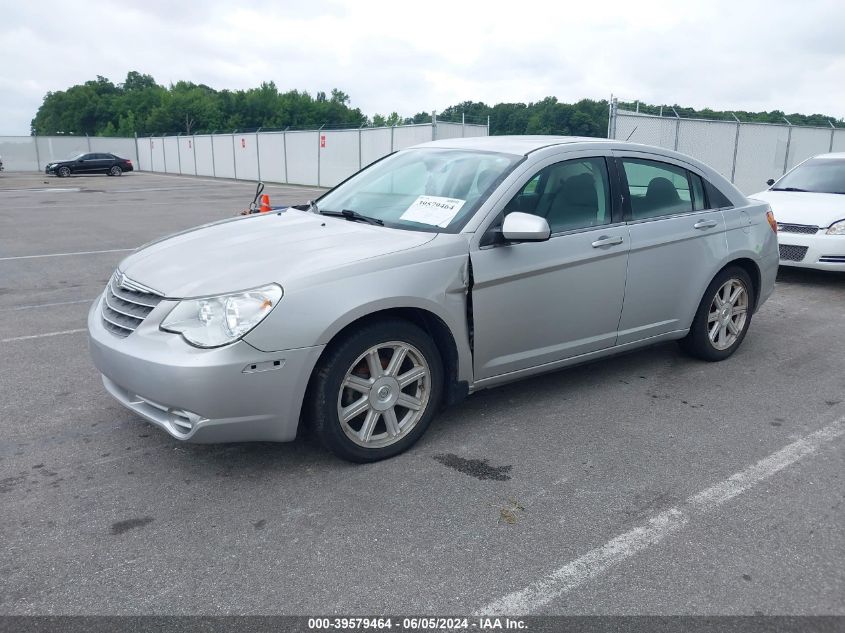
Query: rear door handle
(705, 224)
(607, 241)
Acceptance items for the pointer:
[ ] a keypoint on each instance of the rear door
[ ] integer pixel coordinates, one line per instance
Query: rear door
(102, 163)
(677, 244)
(539, 302)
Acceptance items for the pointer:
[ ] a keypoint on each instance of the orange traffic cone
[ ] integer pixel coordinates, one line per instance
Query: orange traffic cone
(265, 204)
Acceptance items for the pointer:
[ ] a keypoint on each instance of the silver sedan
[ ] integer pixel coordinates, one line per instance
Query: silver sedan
(438, 271)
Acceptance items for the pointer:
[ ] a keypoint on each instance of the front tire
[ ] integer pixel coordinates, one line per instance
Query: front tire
(723, 316)
(376, 391)
(63, 172)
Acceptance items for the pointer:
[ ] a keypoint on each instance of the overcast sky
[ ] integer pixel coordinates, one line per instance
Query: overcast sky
(410, 57)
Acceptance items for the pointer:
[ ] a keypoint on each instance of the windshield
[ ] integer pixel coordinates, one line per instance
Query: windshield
(425, 189)
(820, 175)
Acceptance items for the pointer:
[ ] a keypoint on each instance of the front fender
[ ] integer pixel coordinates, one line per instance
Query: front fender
(314, 310)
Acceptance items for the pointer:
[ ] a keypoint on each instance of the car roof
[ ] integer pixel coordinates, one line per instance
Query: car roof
(520, 145)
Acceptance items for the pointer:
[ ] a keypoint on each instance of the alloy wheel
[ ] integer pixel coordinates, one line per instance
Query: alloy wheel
(728, 314)
(384, 394)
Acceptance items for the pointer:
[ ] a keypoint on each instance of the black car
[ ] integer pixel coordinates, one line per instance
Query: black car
(94, 163)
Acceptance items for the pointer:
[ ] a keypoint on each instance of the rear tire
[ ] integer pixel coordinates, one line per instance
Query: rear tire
(723, 316)
(115, 171)
(376, 390)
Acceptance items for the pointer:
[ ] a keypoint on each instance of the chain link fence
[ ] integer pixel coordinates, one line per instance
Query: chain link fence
(747, 154)
(322, 157)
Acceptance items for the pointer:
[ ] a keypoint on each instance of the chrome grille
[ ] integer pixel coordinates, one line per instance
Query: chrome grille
(798, 228)
(791, 253)
(126, 304)
(832, 259)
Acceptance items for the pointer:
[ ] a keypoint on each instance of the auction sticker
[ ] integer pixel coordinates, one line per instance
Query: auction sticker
(433, 210)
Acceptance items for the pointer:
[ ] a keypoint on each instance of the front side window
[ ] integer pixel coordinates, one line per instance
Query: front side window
(819, 175)
(425, 189)
(570, 195)
(656, 189)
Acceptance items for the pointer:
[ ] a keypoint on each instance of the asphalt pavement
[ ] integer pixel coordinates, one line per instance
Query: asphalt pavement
(645, 484)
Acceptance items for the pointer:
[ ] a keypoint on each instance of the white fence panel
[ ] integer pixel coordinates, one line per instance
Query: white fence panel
(649, 130)
(294, 157)
(145, 155)
(762, 150)
(408, 135)
(204, 155)
(171, 154)
(51, 148)
(375, 143)
(302, 157)
(186, 155)
(224, 155)
(838, 141)
(271, 154)
(449, 130)
(807, 142)
(157, 147)
(19, 154)
(339, 155)
(760, 155)
(475, 130)
(710, 142)
(246, 157)
(122, 147)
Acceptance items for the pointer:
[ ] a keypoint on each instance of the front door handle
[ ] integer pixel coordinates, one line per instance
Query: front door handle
(705, 224)
(607, 241)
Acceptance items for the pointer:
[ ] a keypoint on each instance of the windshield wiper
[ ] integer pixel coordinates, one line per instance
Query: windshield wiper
(790, 189)
(354, 216)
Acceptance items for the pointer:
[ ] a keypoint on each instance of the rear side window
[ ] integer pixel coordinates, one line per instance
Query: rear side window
(717, 199)
(656, 189)
(699, 202)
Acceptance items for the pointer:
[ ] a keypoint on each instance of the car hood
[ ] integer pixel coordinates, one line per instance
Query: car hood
(796, 207)
(248, 252)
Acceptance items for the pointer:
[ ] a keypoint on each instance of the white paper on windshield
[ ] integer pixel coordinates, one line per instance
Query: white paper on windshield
(433, 210)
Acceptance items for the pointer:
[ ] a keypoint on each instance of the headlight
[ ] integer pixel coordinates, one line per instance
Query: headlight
(216, 321)
(837, 228)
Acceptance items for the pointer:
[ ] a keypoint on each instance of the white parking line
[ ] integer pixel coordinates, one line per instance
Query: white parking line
(600, 559)
(42, 190)
(45, 305)
(113, 250)
(32, 336)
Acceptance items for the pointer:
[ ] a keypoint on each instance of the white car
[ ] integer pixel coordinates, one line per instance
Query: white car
(809, 205)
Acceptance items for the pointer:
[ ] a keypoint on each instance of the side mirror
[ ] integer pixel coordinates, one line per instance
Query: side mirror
(770, 181)
(524, 227)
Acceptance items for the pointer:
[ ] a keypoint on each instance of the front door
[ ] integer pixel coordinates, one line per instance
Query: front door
(540, 302)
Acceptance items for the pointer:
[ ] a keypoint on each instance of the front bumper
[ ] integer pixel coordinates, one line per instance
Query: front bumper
(227, 394)
(824, 252)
